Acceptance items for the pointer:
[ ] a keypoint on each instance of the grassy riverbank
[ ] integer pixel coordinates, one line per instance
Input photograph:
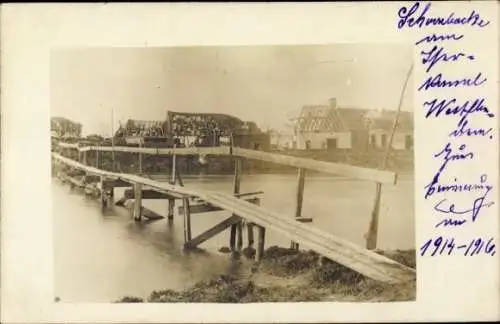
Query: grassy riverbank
(285, 275)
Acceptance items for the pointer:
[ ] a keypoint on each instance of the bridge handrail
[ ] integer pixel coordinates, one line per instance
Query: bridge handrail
(354, 172)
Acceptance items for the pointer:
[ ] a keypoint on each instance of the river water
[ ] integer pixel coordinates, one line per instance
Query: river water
(100, 258)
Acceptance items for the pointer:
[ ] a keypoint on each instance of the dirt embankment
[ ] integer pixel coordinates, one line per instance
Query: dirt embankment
(286, 275)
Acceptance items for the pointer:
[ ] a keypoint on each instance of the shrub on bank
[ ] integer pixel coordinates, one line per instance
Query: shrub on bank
(130, 299)
(285, 262)
(330, 272)
(406, 257)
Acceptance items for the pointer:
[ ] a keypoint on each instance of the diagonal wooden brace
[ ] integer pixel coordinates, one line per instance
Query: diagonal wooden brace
(212, 232)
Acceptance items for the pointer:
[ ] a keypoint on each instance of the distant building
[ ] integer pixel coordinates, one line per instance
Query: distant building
(279, 140)
(380, 124)
(210, 129)
(140, 132)
(193, 129)
(328, 127)
(61, 127)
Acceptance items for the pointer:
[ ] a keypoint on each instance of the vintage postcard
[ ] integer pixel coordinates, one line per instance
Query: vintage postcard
(250, 162)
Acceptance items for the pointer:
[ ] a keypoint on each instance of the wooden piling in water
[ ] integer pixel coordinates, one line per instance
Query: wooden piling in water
(237, 176)
(111, 195)
(187, 220)
(299, 200)
(137, 213)
(179, 177)
(140, 159)
(171, 202)
(103, 194)
(236, 190)
(171, 208)
(232, 238)
(261, 242)
(372, 235)
(250, 236)
(173, 175)
(250, 227)
(239, 236)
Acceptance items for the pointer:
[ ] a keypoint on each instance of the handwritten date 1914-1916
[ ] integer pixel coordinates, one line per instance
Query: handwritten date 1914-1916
(447, 246)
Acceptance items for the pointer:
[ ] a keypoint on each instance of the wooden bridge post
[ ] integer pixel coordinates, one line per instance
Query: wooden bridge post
(140, 158)
(250, 227)
(372, 235)
(232, 237)
(171, 202)
(97, 159)
(111, 195)
(171, 208)
(250, 237)
(236, 228)
(104, 201)
(173, 175)
(187, 220)
(239, 237)
(298, 200)
(137, 213)
(261, 242)
(85, 158)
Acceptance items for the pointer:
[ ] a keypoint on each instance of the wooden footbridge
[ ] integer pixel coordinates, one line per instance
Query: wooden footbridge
(239, 205)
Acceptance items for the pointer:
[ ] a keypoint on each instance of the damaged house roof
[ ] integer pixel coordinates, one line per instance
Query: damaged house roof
(323, 118)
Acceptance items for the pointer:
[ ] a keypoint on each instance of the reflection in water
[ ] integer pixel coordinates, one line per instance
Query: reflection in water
(100, 258)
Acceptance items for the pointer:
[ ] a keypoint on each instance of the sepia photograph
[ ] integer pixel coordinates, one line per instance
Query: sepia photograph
(233, 174)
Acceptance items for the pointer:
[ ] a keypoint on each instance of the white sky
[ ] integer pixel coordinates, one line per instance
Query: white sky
(264, 84)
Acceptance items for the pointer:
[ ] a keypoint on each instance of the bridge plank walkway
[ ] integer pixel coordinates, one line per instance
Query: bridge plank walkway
(357, 258)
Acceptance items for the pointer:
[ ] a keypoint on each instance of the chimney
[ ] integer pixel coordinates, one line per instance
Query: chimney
(333, 102)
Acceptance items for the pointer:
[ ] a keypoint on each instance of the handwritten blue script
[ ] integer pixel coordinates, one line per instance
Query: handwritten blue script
(409, 18)
(450, 107)
(447, 154)
(448, 208)
(438, 81)
(438, 54)
(439, 38)
(463, 129)
(449, 189)
(436, 188)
